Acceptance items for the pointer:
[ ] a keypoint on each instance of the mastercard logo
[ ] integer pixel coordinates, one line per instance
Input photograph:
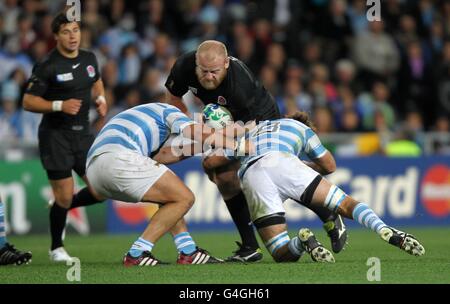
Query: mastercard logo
(435, 190)
(134, 213)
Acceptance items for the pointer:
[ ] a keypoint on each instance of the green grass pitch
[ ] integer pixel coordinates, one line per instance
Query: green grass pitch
(101, 255)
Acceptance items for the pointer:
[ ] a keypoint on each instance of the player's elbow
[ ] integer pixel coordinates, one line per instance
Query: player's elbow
(208, 164)
(27, 102)
(328, 164)
(331, 166)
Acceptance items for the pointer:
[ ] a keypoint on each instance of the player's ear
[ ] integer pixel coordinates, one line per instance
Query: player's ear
(227, 62)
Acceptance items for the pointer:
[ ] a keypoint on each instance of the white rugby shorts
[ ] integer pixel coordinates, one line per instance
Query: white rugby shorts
(124, 176)
(273, 179)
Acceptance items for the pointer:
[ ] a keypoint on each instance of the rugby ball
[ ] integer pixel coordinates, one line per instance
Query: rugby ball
(216, 116)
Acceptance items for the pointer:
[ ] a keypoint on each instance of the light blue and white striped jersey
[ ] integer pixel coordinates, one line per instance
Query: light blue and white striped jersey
(283, 135)
(143, 129)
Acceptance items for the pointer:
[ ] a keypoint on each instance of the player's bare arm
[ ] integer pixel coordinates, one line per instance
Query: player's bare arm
(324, 165)
(176, 102)
(215, 161)
(40, 105)
(167, 155)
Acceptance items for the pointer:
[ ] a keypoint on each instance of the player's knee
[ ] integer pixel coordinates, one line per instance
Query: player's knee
(63, 200)
(187, 200)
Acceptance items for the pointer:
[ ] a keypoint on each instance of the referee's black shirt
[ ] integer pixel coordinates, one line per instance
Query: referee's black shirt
(61, 78)
(240, 92)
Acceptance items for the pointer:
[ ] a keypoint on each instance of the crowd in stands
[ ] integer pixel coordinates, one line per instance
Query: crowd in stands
(320, 56)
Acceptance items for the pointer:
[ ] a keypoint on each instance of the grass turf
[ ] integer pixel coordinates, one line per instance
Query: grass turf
(101, 255)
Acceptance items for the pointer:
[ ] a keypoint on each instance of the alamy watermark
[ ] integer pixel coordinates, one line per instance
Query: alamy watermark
(73, 274)
(374, 10)
(374, 272)
(74, 10)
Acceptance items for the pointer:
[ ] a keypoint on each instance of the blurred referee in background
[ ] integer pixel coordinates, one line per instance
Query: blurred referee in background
(62, 87)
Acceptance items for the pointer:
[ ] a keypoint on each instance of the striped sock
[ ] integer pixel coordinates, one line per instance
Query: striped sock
(296, 247)
(2, 226)
(184, 243)
(139, 247)
(277, 241)
(366, 217)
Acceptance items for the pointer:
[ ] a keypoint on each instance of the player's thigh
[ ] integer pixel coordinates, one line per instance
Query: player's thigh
(290, 175)
(262, 195)
(169, 188)
(128, 176)
(63, 191)
(226, 174)
(80, 149)
(55, 151)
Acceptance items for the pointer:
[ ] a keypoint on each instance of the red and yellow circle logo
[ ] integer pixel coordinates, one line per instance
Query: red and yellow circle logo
(435, 190)
(134, 213)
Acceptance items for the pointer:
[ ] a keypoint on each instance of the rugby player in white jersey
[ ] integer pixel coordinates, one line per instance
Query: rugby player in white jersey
(120, 166)
(274, 173)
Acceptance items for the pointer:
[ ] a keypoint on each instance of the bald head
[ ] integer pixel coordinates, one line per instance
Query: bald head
(210, 49)
(212, 63)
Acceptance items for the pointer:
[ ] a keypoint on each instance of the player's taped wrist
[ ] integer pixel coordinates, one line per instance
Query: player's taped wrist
(239, 149)
(57, 105)
(101, 99)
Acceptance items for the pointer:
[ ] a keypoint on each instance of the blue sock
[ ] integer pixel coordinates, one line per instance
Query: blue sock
(296, 247)
(185, 243)
(139, 247)
(277, 242)
(2, 226)
(366, 217)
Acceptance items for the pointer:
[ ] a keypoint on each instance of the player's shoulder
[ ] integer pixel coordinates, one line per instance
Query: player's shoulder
(46, 63)
(185, 62)
(293, 123)
(241, 69)
(86, 53)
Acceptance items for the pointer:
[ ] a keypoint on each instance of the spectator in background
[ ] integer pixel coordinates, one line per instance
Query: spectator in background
(245, 50)
(320, 87)
(10, 128)
(268, 76)
(443, 85)
(406, 32)
(416, 83)
(10, 12)
(350, 121)
(162, 50)
(347, 112)
(403, 145)
(358, 19)
(375, 54)
(391, 13)
(312, 54)
(414, 123)
(323, 120)
(129, 65)
(45, 33)
(345, 75)
(92, 18)
(376, 110)
(436, 39)
(441, 143)
(152, 86)
(262, 34)
(336, 28)
(294, 99)
(276, 58)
